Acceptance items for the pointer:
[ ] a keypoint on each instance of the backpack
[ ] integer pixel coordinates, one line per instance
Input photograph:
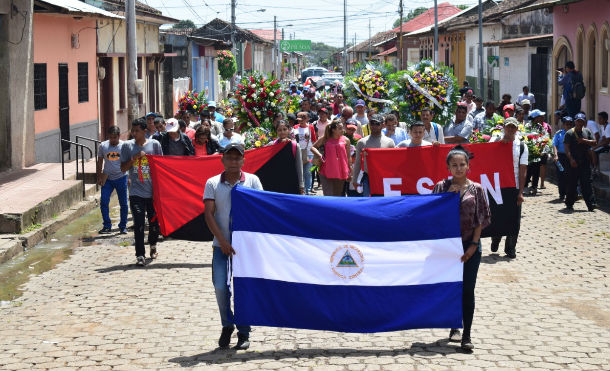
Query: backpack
(578, 87)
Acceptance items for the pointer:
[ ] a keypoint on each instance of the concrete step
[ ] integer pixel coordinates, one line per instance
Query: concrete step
(29, 197)
(33, 204)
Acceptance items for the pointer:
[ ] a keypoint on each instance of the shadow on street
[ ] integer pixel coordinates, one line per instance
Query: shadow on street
(129, 267)
(218, 356)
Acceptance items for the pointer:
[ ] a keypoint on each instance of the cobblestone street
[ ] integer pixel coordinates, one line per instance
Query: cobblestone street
(548, 309)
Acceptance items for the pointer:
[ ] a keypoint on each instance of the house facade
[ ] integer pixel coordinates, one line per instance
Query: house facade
(252, 52)
(581, 34)
(65, 75)
(195, 58)
(111, 59)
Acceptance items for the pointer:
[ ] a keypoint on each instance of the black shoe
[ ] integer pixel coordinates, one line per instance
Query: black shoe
(105, 231)
(511, 255)
(467, 345)
(569, 208)
(455, 335)
(495, 246)
(562, 198)
(225, 337)
(592, 207)
(243, 342)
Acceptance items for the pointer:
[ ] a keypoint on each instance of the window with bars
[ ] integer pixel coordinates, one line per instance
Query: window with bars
(471, 57)
(40, 86)
(83, 82)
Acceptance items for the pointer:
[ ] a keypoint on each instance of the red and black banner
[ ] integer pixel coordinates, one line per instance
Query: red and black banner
(179, 182)
(402, 171)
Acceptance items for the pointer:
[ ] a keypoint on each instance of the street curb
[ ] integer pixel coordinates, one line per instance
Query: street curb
(22, 242)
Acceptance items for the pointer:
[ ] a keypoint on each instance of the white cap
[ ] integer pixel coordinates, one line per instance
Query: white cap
(172, 126)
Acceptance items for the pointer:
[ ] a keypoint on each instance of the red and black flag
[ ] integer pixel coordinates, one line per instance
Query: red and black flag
(179, 182)
(402, 171)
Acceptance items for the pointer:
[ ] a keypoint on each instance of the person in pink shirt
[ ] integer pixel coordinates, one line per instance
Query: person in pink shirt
(336, 164)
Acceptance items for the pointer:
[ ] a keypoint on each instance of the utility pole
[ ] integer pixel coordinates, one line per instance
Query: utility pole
(435, 32)
(132, 61)
(480, 49)
(354, 49)
(274, 53)
(344, 37)
(282, 57)
(369, 39)
(400, 35)
(233, 48)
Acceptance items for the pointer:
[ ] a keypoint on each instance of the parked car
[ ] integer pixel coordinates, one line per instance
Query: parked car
(312, 71)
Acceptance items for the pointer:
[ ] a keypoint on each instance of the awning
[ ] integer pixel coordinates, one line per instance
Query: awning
(519, 40)
(387, 52)
(77, 7)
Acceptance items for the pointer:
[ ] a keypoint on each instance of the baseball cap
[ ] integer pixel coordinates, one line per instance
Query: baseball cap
(580, 116)
(567, 119)
(535, 113)
(211, 104)
(509, 106)
(172, 126)
(526, 101)
(511, 121)
(360, 102)
(149, 114)
(376, 118)
(234, 146)
(352, 126)
(292, 86)
(351, 121)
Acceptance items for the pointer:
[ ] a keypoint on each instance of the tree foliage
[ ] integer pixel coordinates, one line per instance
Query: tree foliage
(185, 23)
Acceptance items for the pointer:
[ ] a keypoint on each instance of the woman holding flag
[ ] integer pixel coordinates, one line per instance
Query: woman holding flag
(474, 216)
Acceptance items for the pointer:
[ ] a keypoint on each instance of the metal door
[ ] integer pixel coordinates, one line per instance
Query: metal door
(539, 84)
(64, 106)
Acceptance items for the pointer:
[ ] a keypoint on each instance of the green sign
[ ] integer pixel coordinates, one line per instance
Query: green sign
(295, 45)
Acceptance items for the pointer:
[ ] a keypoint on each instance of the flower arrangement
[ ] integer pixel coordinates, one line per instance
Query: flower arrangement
(257, 137)
(369, 83)
(537, 141)
(258, 99)
(293, 104)
(228, 107)
(227, 66)
(193, 102)
(478, 136)
(425, 85)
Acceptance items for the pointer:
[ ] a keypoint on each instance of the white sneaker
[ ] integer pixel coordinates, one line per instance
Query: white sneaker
(141, 261)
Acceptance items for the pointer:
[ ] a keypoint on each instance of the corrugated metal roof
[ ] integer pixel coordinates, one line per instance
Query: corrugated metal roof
(78, 7)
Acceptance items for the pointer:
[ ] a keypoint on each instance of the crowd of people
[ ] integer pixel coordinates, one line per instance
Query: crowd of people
(328, 136)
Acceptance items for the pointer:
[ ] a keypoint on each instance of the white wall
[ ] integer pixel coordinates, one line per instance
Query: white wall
(490, 33)
(516, 75)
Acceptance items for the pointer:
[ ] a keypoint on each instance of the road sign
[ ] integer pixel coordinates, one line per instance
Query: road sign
(295, 45)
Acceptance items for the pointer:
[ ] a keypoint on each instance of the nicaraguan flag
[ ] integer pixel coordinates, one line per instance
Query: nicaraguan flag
(346, 264)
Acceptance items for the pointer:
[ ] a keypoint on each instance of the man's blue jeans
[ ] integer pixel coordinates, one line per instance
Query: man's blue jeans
(307, 176)
(223, 293)
(120, 185)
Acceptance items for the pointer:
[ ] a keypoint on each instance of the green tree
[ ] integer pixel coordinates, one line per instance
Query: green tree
(185, 23)
(463, 6)
(412, 14)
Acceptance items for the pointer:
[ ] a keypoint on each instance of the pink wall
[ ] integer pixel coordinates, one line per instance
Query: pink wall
(566, 24)
(53, 45)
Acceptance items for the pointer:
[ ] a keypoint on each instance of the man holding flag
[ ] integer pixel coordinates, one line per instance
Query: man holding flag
(217, 201)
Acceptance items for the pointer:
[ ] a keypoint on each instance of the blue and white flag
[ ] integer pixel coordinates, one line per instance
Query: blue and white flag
(346, 264)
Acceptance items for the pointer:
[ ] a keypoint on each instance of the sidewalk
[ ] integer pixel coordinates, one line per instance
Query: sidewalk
(35, 201)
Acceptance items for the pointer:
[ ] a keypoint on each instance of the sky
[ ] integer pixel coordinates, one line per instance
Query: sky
(315, 20)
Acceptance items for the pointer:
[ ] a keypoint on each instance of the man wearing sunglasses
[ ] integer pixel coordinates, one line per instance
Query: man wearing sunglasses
(229, 135)
(375, 140)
